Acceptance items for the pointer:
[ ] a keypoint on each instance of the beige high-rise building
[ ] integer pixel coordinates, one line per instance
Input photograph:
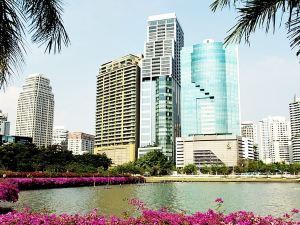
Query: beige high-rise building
(35, 110)
(117, 109)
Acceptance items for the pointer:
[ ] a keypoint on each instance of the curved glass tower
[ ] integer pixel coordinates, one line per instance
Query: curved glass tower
(210, 89)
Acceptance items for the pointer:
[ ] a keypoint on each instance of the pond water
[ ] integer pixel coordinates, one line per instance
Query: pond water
(261, 198)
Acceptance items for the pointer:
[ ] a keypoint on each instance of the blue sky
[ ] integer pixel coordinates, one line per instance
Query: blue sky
(103, 30)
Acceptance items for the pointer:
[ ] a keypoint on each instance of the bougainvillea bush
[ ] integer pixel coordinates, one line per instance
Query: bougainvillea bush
(9, 192)
(161, 217)
(40, 183)
(11, 174)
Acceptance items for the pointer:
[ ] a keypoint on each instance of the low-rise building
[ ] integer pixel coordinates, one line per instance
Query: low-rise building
(6, 139)
(205, 150)
(80, 143)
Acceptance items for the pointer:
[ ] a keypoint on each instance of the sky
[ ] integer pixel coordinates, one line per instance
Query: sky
(102, 30)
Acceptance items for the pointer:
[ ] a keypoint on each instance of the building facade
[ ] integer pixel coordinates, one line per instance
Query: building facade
(80, 143)
(60, 137)
(4, 124)
(249, 130)
(160, 83)
(210, 102)
(8, 139)
(246, 148)
(35, 110)
(117, 109)
(295, 128)
(207, 150)
(274, 141)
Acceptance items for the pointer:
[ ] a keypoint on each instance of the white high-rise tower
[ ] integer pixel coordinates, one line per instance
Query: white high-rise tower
(274, 141)
(35, 110)
(295, 128)
(160, 83)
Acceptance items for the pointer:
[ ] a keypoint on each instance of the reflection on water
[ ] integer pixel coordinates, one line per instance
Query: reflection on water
(262, 198)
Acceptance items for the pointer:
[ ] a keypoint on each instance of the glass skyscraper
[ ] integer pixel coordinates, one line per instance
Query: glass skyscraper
(160, 83)
(210, 89)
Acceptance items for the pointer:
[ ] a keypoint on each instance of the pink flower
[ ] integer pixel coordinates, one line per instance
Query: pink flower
(295, 211)
(219, 200)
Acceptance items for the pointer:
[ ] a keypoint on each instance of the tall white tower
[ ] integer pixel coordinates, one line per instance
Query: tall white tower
(274, 141)
(160, 83)
(35, 110)
(295, 128)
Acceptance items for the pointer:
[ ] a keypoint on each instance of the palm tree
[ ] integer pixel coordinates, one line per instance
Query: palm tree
(253, 14)
(43, 21)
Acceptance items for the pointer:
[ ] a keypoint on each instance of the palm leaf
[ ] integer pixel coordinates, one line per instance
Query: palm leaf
(12, 47)
(46, 23)
(254, 14)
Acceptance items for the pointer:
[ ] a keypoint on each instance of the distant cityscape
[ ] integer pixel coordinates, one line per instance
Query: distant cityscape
(181, 100)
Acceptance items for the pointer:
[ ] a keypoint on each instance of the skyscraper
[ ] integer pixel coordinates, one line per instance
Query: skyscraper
(295, 128)
(4, 124)
(249, 130)
(117, 109)
(160, 83)
(274, 141)
(35, 110)
(210, 102)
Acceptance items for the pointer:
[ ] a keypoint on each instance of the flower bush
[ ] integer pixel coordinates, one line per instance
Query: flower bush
(8, 192)
(161, 217)
(40, 183)
(11, 174)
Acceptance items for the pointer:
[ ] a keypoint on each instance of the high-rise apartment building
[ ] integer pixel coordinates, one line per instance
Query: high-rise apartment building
(160, 83)
(210, 102)
(295, 128)
(80, 143)
(60, 137)
(4, 124)
(35, 110)
(249, 130)
(274, 141)
(117, 109)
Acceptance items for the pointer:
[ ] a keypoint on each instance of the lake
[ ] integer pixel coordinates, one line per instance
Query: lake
(261, 198)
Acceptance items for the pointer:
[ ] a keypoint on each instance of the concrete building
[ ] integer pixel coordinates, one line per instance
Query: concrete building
(80, 143)
(35, 110)
(249, 130)
(210, 99)
(160, 83)
(4, 124)
(207, 150)
(295, 128)
(274, 140)
(60, 137)
(117, 109)
(8, 139)
(246, 150)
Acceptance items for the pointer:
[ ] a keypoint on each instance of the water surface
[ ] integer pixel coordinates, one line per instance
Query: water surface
(262, 198)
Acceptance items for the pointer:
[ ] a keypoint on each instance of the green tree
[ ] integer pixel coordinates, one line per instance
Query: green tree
(128, 168)
(190, 169)
(253, 14)
(155, 162)
(99, 160)
(43, 18)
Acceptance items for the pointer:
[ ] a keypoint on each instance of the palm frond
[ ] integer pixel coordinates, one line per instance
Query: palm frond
(254, 14)
(294, 31)
(220, 4)
(12, 47)
(46, 23)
